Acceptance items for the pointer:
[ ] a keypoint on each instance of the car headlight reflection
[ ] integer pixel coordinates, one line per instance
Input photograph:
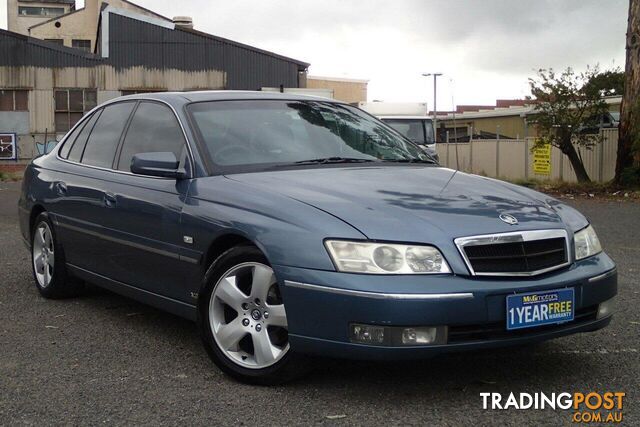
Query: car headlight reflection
(385, 258)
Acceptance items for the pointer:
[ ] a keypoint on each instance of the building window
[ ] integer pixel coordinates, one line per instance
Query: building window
(71, 104)
(56, 41)
(82, 45)
(13, 100)
(40, 11)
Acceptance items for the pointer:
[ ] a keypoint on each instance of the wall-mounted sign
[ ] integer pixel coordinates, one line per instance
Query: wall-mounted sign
(8, 146)
(542, 160)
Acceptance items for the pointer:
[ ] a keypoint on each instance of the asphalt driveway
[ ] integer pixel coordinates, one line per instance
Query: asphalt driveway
(102, 358)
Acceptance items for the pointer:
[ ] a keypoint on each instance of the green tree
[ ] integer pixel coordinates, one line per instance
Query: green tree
(565, 105)
(609, 83)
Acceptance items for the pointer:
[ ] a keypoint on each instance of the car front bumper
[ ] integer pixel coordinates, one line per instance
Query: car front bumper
(321, 306)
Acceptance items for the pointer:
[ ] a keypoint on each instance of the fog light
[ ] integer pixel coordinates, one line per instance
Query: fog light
(418, 335)
(367, 334)
(606, 308)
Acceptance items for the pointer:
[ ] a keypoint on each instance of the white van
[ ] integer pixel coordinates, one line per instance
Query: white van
(418, 129)
(409, 119)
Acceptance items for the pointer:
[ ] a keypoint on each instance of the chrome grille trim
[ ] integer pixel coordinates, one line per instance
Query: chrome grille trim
(513, 237)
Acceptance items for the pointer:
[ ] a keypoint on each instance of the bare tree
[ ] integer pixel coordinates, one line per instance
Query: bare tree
(629, 136)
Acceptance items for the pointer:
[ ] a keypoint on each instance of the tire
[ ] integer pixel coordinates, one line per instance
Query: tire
(246, 338)
(48, 262)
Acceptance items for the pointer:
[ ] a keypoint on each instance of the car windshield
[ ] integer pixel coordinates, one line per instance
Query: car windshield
(419, 131)
(279, 132)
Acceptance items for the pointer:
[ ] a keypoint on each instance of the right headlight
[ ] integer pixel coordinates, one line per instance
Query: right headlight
(385, 258)
(586, 243)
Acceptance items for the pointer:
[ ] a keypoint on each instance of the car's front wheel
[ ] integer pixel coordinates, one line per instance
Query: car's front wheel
(243, 320)
(48, 262)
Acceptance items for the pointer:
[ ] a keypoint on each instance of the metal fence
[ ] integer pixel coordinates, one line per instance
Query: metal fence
(513, 159)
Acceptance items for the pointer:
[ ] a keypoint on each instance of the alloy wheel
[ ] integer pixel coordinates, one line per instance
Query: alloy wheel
(247, 316)
(43, 254)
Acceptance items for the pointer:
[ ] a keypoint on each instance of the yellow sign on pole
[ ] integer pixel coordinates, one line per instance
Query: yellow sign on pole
(542, 160)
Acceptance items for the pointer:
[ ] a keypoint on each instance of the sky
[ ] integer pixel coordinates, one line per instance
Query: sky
(486, 49)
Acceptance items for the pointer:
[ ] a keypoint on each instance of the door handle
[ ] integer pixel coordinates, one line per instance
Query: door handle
(61, 188)
(110, 200)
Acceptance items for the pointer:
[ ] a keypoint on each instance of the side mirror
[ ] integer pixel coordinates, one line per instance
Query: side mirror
(162, 164)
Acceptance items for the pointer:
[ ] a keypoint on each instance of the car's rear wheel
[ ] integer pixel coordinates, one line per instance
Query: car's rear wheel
(243, 319)
(48, 262)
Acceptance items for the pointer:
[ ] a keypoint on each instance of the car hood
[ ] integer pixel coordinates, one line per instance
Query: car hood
(416, 203)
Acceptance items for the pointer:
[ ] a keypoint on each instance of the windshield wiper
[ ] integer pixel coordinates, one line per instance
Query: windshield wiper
(410, 161)
(332, 160)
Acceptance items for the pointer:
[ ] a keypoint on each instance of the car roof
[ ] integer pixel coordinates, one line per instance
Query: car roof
(224, 95)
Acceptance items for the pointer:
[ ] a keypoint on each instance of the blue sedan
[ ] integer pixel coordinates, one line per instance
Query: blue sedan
(290, 226)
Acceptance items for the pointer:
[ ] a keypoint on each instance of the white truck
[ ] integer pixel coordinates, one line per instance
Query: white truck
(408, 118)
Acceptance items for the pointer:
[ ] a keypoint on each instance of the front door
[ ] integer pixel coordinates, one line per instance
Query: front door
(144, 216)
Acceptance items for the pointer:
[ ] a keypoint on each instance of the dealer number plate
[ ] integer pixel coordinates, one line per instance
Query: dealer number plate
(540, 308)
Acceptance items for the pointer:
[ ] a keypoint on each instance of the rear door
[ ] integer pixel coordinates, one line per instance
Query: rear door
(144, 218)
(82, 187)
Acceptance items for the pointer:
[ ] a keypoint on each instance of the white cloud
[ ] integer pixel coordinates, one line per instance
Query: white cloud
(488, 48)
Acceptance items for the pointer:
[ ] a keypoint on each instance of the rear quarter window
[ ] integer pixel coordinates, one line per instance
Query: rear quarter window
(105, 136)
(77, 146)
(68, 142)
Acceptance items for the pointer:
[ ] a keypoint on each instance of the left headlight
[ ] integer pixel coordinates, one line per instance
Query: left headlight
(586, 243)
(385, 258)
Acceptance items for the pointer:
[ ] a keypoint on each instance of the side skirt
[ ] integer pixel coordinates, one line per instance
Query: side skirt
(178, 308)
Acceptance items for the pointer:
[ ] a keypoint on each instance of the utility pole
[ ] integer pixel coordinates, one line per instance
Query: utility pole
(435, 109)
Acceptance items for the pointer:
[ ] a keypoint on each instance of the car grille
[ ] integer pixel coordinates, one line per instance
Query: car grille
(498, 331)
(517, 257)
(526, 253)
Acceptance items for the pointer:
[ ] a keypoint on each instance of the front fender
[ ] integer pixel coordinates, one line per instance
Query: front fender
(288, 232)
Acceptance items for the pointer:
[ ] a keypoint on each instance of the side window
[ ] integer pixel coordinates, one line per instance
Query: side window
(103, 141)
(154, 128)
(77, 146)
(68, 143)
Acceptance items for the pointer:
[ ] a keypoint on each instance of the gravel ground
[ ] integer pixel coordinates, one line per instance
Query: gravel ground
(102, 358)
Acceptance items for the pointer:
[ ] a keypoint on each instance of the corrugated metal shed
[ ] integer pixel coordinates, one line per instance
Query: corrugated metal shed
(17, 50)
(136, 43)
(142, 45)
